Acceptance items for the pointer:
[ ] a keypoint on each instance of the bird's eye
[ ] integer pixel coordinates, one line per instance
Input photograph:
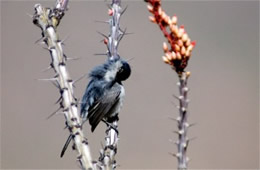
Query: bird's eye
(123, 72)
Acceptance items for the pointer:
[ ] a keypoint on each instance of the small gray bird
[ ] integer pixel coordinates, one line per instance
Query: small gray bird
(104, 94)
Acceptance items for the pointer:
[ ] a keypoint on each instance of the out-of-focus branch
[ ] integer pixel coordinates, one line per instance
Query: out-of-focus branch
(48, 20)
(177, 57)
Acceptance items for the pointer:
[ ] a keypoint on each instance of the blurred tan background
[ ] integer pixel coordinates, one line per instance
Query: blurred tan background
(224, 86)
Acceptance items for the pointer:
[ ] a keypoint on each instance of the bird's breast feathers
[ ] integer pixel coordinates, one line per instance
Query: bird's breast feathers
(120, 101)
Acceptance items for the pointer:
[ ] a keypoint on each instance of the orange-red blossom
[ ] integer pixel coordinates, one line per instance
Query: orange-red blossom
(180, 43)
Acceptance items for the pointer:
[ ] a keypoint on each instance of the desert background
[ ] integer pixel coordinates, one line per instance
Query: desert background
(224, 85)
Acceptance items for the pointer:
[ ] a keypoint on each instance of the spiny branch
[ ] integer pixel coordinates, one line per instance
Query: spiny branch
(177, 57)
(48, 19)
(107, 154)
(112, 41)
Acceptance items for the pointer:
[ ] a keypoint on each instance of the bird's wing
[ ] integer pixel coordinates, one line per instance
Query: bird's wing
(93, 92)
(103, 106)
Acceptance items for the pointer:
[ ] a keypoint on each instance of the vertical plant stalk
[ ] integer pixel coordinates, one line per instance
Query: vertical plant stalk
(108, 153)
(177, 57)
(48, 20)
(115, 34)
(183, 124)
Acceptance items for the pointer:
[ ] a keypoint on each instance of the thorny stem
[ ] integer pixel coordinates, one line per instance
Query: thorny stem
(108, 153)
(115, 34)
(177, 57)
(48, 20)
(183, 125)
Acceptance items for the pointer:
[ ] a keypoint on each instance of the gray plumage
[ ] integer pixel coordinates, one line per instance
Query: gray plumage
(104, 94)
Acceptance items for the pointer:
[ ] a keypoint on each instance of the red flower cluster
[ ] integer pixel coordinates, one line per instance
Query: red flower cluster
(181, 46)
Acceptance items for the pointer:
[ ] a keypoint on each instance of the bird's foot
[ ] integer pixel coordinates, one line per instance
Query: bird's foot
(110, 125)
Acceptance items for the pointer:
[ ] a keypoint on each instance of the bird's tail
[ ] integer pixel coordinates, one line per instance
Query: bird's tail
(66, 146)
